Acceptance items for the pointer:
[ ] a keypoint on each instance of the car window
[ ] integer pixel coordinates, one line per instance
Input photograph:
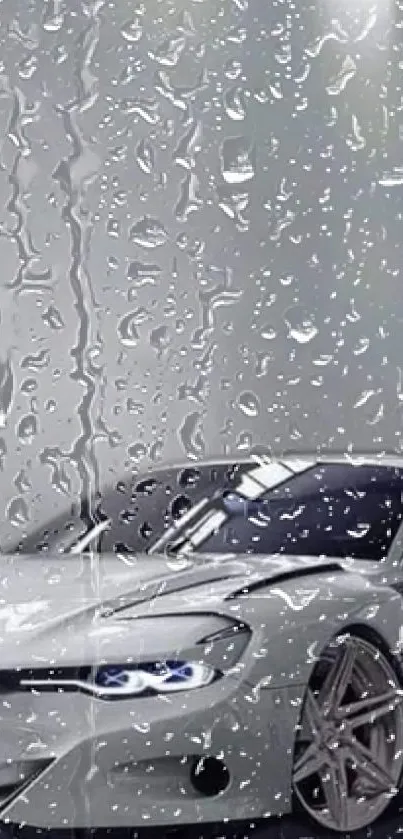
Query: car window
(331, 511)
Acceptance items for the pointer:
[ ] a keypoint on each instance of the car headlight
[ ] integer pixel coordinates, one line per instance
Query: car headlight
(127, 680)
(154, 677)
(214, 648)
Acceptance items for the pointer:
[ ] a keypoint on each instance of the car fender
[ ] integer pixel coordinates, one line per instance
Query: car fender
(293, 624)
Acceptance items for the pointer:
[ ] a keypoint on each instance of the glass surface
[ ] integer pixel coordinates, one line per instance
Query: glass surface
(201, 240)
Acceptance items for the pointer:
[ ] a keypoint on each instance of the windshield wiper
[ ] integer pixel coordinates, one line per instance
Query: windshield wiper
(171, 536)
(195, 536)
(89, 537)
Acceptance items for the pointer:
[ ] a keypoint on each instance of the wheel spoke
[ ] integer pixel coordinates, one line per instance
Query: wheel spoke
(366, 763)
(312, 713)
(308, 764)
(338, 679)
(335, 788)
(370, 709)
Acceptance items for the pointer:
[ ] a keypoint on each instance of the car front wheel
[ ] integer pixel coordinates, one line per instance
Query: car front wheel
(349, 747)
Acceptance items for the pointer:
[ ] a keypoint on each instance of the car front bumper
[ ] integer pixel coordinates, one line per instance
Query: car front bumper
(129, 763)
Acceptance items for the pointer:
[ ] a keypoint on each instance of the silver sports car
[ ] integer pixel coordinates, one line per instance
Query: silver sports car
(247, 665)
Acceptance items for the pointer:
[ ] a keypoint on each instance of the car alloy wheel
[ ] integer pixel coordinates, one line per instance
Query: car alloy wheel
(349, 748)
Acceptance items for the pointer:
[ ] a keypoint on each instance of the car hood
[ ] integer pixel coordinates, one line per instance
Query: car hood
(53, 610)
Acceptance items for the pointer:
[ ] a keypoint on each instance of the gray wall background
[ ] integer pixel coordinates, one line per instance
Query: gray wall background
(200, 236)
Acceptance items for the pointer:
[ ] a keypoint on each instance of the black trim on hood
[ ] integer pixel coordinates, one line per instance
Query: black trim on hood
(284, 576)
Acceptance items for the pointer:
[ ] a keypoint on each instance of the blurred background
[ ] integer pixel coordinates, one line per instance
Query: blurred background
(200, 236)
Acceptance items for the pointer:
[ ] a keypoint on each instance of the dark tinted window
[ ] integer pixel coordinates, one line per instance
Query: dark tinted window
(332, 510)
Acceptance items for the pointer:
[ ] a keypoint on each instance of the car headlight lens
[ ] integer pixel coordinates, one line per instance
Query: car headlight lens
(126, 680)
(154, 677)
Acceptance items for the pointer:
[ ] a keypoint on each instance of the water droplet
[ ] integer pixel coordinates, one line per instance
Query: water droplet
(244, 441)
(22, 482)
(394, 178)
(27, 67)
(53, 318)
(234, 103)
(135, 408)
(339, 82)
(185, 23)
(191, 435)
(145, 156)
(357, 140)
(268, 332)
(322, 360)
(29, 386)
(301, 326)
(262, 367)
(237, 35)
(188, 146)
(132, 30)
(234, 206)
(362, 346)
(233, 69)
(60, 54)
(53, 18)
(27, 429)
(36, 362)
(160, 339)
(3, 452)
(147, 109)
(127, 331)
(17, 512)
(142, 273)
(249, 403)
(362, 529)
(189, 199)
(237, 165)
(6, 390)
(113, 228)
(137, 451)
(169, 51)
(142, 728)
(148, 233)
(156, 451)
(363, 398)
